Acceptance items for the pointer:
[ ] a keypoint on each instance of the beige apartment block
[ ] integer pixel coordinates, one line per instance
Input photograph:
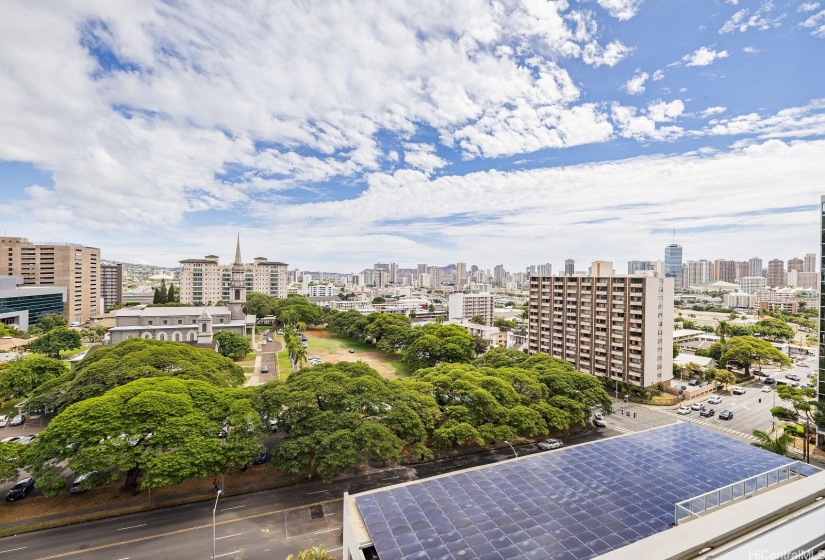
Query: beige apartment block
(205, 281)
(74, 267)
(617, 327)
(463, 307)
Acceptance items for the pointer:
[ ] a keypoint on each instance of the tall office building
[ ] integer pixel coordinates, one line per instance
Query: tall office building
(435, 276)
(206, 282)
(743, 268)
(394, 279)
(821, 383)
(569, 267)
(22, 306)
(673, 265)
(422, 269)
(474, 269)
(810, 263)
(796, 264)
(724, 270)
(111, 286)
(756, 266)
(498, 274)
(776, 273)
(638, 266)
(74, 267)
(618, 327)
(460, 274)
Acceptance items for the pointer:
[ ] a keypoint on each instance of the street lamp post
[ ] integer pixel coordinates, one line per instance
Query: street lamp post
(511, 447)
(214, 509)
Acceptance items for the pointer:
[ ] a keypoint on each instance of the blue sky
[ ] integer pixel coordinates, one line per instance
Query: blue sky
(334, 136)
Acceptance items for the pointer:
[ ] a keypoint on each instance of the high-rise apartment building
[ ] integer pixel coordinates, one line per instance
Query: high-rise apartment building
(75, 267)
(463, 307)
(206, 282)
(111, 286)
(498, 274)
(460, 274)
(795, 264)
(756, 266)
(393, 277)
(435, 276)
(724, 270)
(698, 272)
(673, 265)
(617, 327)
(821, 381)
(569, 267)
(422, 269)
(752, 284)
(810, 263)
(776, 273)
(601, 268)
(743, 268)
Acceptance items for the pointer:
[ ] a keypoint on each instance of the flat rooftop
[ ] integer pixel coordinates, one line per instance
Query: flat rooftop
(573, 503)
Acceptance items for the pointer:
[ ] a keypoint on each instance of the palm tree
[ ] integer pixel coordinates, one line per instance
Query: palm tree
(722, 329)
(297, 353)
(779, 444)
(289, 317)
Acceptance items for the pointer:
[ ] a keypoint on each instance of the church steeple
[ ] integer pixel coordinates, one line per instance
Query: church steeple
(237, 287)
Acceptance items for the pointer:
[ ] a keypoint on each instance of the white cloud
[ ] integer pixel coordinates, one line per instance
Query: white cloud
(712, 111)
(795, 122)
(761, 19)
(817, 24)
(750, 50)
(808, 7)
(703, 56)
(622, 10)
(609, 55)
(636, 84)
(646, 125)
(423, 157)
(658, 75)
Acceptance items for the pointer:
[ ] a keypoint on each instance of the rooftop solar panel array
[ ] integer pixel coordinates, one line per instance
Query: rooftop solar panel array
(572, 504)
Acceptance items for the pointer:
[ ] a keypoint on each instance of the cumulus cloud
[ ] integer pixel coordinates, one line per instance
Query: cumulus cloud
(763, 18)
(703, 56)
(647, 123)
(816, 23)
(609, 55)
(621, 9)
(750, 50)
(712, 111)
(658, 75)
(423, 157)
(636, 84)
(808, 7)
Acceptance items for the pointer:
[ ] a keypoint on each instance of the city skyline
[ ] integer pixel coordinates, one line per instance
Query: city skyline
(477, 132)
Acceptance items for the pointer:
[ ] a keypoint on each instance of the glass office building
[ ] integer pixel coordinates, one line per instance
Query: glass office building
(25, 306)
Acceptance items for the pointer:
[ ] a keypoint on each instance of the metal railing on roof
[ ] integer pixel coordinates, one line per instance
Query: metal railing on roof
(693, 508)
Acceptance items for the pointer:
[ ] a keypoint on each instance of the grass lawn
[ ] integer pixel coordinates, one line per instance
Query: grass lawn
(333, 347)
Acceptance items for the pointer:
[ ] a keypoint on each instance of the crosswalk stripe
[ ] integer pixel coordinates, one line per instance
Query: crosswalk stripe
(703, 423)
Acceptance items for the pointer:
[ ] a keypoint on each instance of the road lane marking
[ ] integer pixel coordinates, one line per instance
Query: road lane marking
(318, 492)
(227, 536)
(227, 553)
(11, 550)
(334, 549)
(326, 530)
(132, 527)
(180, 531)
(233, 507)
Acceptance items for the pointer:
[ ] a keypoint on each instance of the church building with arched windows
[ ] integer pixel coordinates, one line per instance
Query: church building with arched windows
(194, 325)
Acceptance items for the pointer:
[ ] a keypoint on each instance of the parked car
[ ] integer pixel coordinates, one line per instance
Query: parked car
(351, 351)
(600, 423)
(265, 369)
(10, 439)
(715, 399)
(269, 339)
(759, 373)
(550, 444)
(598, 416)
(693, 382)
(26, 439)
(769, 381)
(802, 364)
(18, 420)
(792, 376)
(739, 391)
(82, 483)
(683, 410)
(4, 420)
(726, 415)
(303, 338)
(707, 412)
(766, 388)
(20, 490)
(262, 457)
(697, 406)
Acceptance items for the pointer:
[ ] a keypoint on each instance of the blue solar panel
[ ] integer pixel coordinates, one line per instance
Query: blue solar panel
(576, 503)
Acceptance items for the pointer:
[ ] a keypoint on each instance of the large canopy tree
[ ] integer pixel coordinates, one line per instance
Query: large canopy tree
(232, 344)
(164, 430)
(134, 359)
(434, 343)
(20, 377)
(55, 341)
(748, 350)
